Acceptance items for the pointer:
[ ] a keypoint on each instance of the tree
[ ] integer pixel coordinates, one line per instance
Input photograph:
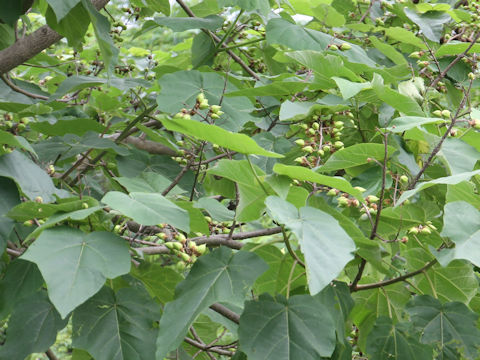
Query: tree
(239, 179)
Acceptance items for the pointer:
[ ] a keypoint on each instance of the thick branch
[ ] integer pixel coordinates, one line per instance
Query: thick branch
(33, 44)
(229, 314)
(149, 146)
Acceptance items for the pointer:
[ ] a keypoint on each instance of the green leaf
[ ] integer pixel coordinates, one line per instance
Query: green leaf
(148, 182)
(453, 48)
(355, 155)
(394, 341)
(237, 142)
(71, 126)
(247, 5)
(451, 324)
(431, 23)
(75, 265)
(32, 327)
(304, 174)
(101, 26)
(328, 15)
(275, 279)
(160, 281)
(296, 37)
(404, 123)
(448, 180)
(12, 9)
(219, 276)
(211, 22)
(388, 50)
(314, 229)
(252, 195)
(79, 82)
(215, 208)
(280, 329)
(460, 157)
(203, 50)
(301, 110)
(10, 198)
(21, 280)
(148, 209)
(159, 5)
(15, 141)
(62, 7)
(466, 237)
(349, 89)
(180, 90)
(117, 325)
(73, 25)
(32, 180)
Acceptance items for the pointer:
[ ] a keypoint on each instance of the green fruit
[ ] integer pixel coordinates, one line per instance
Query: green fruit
(300, 142)
(203, 105)
(215, 116)
(208, 219)
(446, 114)
(177, 245)
(162, 236)
(321, 152)
(342, 201)
(300, 160)
(85, 205)
(180, 237)
(372, 199)
(415, 55)
(201, 249)
(316, 125)
(338, 124)
(170, 245)
(338, 144)
(185, 257)
(404, 179)
(28, 223)
(413, 230)
(333, 47)
(326, 148)
(117, 229)
(332, 192)
(437, 113)
(215, 108)
(311, 131)
(359, 188)
(180, 266)
(201, 98)
(187, 117)
(345, 46)
(39, 199)
(426, 231)
(308, 149)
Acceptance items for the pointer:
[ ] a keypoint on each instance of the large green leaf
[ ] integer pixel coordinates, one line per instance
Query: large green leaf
(32, 327)
(148, 182)
(451, 324)
(20, 281)
(220, 276)
(459, 156)
(101, 26)
(117, 325)
(32, 180)
(396, 342)
(251, 194)
(75, 265)
(237, 142)
(180, 90)
(355, 155)
(431, 23)
(448, 180)
(72, 25)
(160, 281)
(274, 89)
(403, 123)
(296, 37)
(62, 7)
(10, 198)
(280, 329)
(326, 246)
(461, 223)
(304, 174)
(248, 5)
(148, 209)
(456, 47)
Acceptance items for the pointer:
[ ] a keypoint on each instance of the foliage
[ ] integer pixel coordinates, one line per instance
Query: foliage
(254, 179)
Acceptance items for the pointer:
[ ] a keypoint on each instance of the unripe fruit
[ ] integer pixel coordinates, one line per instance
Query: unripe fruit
(426, 231)
(345, 46)
(21, 127)
(208, 219)
(162, 235)
(359, 188)
(437, 113)
(308, 149)
(28, 223)
(423, 64)
(332, 192)
(215, 116)
(333, 47)
(321, 152)
(203, 105)
(338, 124)
(326, 148)
(178, 115)
(215, 108)
(39, 199)
(185, 257)
(413, 230)
(476, 123)
(304, 126)
(187, 117)
(471, 76)
(372, 198)
(200, 97)
(415, 55)
(404, 179)
(169, 245)
(117, 229)
(180, 237)
(342, 201)
(311, 131)
(85, 205)
(446, 113)
(300, 142)
(201, 249)
(338, 144)
(177, 245)
(316, 125)
(180, 266)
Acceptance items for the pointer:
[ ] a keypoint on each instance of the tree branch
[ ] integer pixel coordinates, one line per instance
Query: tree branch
(229, 314)
(205, 347)
(149, 146)
(394, 280)
(33, 44)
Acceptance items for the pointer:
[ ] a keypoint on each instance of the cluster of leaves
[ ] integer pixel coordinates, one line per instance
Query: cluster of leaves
(251, 179)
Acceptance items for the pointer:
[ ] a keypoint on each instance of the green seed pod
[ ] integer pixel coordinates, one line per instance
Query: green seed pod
(446, 114)
(316, 125)
(201, 249)
(28, 223)
(326, 148)
(215, 116)
(300, 142)
(180, 266)
(342, 201)
(437, 113)
(359, 188)
(177, 245)
(426, 231)
(413, 230)
(215, 108)
(372, 199)
(308, 149)
(332, 192)
(345, 46)
(170, 245)
(338, 144)
(200, 97)
(333, 47)
(404, 179)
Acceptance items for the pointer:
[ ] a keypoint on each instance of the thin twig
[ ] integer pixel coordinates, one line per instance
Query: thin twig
(226, 312)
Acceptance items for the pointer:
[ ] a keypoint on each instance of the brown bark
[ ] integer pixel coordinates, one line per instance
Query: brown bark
(33, 44)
